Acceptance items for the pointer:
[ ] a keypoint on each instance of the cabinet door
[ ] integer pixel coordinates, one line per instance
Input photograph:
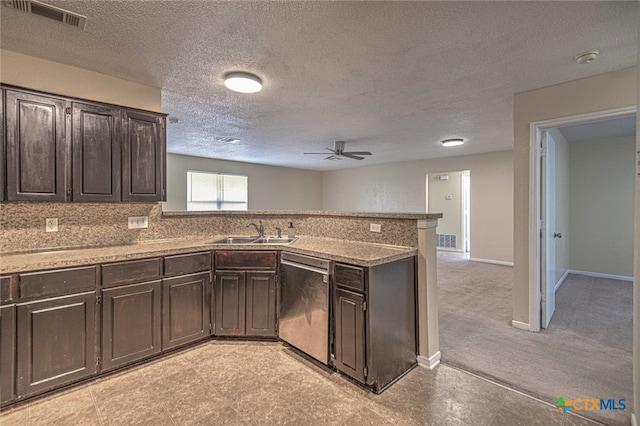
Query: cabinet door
(143, 157)
(230, 303)
(185, 306)
(37, 152)
(56, 342)
(130, 323)
(261, 304)
(3, 163)
(7, 352)
(350, 333)
(96, 153)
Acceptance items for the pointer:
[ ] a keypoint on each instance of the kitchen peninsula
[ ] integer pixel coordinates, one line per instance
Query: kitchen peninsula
(173, 256)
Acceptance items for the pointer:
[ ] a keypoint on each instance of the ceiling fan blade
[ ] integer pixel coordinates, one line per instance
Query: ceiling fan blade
(333, 157)
(350, 155)
(358, 153)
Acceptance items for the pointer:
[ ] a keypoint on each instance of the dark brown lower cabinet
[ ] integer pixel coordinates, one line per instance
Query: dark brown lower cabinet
(7, 352)
(349, 333)
(131, 319)
(186, 309)
(245, 303)
(261, 304)
(56, 342)
(375, 321)
(230, 303)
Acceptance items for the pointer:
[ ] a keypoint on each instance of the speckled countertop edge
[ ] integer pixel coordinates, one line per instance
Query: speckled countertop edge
(409, 216)
(353, 252)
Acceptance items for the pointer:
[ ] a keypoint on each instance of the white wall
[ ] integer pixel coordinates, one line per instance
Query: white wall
(602, 205)
(562, 205)
(451, 223)
(270, 188)
(401, 187)
(39, 74)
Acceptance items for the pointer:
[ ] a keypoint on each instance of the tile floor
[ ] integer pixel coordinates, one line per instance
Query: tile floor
(255, 383)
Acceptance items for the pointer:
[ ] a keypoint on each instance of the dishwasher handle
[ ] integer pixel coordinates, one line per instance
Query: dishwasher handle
(305, 267)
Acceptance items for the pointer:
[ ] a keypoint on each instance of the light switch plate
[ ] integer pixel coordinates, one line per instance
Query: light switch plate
(51, 224)
(375, 227)
(138, 222)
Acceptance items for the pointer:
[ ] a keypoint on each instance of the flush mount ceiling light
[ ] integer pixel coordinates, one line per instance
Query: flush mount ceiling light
(227, 139)
(453, 142)
(242, 82)
(586, 57)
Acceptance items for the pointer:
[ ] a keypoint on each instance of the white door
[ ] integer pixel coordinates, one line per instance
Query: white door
(466, 201)
(547, 239)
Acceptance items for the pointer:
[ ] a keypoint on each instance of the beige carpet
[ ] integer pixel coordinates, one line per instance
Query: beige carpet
(585, 353)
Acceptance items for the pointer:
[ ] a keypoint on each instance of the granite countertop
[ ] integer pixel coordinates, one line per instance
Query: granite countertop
(298, 213)
(353, 252)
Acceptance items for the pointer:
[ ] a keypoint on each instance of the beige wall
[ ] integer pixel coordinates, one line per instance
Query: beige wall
(602, 205)
(39, 74)
(451, 223)
(599, 93)
(401, 187)
(270, 188)
(562, 209)
(636, 266)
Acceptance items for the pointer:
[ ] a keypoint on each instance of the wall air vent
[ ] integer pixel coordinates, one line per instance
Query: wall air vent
(446, 241)
(52, 12)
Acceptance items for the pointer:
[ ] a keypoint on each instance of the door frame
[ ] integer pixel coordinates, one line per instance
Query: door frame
(535, 217)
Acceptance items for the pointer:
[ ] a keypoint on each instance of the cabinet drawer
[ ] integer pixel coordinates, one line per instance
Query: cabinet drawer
(187, 263)
(5, 290)
(115, 274)
(56, 283)
(246, 259)
(349, 276)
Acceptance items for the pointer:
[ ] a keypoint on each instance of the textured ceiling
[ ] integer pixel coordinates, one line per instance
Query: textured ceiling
(393, 78)
(601, 129)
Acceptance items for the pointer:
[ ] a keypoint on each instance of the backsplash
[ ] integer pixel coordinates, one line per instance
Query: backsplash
(22, 225)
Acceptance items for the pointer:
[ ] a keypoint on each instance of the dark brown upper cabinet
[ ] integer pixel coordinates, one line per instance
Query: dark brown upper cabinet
(37, 150)
(63, 149)
(96, 145)
(143, 161)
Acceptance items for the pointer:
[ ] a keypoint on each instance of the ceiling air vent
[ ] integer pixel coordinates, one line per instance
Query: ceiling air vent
(48, 11)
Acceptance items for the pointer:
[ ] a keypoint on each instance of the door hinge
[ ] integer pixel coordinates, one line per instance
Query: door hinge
(67, 110)
(366, 372)
(98, 362)
(98, 299)
(364, 305)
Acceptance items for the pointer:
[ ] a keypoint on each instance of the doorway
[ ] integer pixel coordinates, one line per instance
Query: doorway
(550, 230)
(450, 194)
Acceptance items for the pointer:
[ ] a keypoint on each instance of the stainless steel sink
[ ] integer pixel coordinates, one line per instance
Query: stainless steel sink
(274, 240)
(234, 240)
(252, 240)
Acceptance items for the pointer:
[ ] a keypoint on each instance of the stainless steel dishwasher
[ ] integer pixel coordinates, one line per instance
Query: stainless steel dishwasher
(304, 304)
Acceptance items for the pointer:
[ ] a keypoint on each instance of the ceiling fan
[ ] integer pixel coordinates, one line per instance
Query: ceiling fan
(338, 152)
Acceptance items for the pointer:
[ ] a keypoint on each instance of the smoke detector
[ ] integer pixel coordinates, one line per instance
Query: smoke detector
(586, 57)
(46, 10)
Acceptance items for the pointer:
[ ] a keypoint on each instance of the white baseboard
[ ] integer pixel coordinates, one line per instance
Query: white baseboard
(561, 281)
(634, 420)
(495, 262)
(520, 325)
(449, 249)
(431, 362)
(599, 275)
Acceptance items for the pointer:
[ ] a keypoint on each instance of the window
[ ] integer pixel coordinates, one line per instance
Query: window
(216, 191)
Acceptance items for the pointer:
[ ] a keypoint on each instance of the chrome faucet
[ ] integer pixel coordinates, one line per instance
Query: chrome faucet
(279, 231)
(260, 228)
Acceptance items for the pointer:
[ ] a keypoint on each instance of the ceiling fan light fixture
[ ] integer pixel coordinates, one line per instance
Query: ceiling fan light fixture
(242, 82)
(453, 142)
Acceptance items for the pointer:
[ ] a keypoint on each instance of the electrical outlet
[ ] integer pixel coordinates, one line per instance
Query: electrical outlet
(138, 222)
(375, 227)
(51, 224)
